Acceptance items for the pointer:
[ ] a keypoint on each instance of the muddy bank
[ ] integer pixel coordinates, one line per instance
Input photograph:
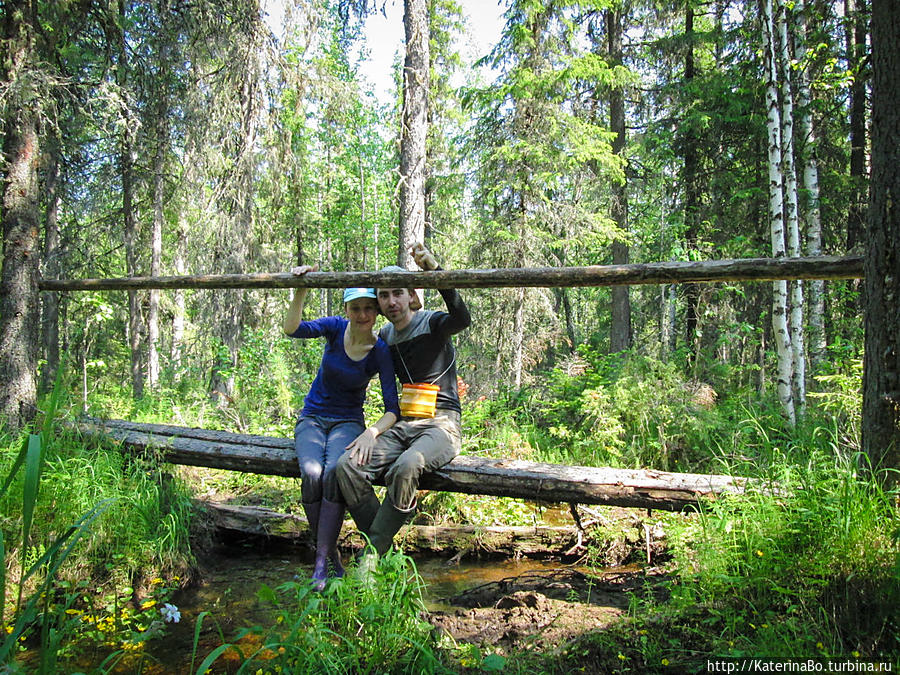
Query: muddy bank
(532, 590)
(506, 605)
(541, 610)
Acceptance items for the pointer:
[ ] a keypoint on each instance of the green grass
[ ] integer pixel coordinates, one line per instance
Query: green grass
(355, 626)
(808, 568)
(83, 523)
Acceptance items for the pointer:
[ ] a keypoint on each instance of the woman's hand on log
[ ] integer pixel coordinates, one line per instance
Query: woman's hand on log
(300, 270)
(361, 447)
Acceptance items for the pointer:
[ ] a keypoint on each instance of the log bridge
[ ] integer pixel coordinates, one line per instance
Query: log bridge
(533, 481)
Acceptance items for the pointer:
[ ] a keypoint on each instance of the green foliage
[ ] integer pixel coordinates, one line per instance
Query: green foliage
(807, 567)
(357, 625)
(84, 512)
(34, 613)
(795, 564)
(626, 410)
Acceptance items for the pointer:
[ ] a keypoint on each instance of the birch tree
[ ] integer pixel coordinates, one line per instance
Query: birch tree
(776, 215)
(812, 213)
(798, 373)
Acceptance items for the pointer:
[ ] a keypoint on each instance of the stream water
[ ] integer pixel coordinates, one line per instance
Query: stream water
(233, 576)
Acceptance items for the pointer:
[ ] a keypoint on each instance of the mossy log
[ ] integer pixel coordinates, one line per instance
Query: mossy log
(536, 481)
(451, 539)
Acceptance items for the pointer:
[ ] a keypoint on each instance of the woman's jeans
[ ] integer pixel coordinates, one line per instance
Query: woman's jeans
(319, 442)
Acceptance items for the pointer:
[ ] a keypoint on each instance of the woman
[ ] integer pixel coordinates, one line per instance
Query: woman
(332, 418)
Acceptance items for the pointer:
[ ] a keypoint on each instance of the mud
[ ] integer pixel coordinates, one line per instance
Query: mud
(541, 610)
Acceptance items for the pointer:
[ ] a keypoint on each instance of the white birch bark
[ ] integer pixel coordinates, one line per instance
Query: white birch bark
(798, 378)
(776, 216)
(812, 214)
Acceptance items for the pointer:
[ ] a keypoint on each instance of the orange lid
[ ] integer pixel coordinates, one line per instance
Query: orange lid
(426, 387)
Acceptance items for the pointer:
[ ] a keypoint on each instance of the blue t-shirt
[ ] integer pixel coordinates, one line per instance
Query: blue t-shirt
(339, 390)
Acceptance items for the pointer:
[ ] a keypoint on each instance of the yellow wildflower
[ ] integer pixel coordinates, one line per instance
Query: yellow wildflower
(665, 662)
(9, 629)
(147, 604)
(621, 656)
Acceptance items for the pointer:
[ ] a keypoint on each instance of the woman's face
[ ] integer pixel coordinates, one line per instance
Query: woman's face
(362, 312)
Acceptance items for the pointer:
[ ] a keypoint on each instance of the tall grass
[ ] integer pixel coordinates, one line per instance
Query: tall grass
(39, 561)
(807, 564)
(75, 511)
(357, 626)
(812, 568)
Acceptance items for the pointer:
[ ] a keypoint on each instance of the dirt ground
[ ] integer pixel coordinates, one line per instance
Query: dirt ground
(541, 610)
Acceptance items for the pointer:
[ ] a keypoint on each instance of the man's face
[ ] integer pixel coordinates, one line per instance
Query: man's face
(394, 303)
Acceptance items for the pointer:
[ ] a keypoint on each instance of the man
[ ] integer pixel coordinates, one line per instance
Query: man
(419, 341)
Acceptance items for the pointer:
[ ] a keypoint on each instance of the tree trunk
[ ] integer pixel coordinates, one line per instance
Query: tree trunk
(742, 269)
(52, 252)
(691, 195)
(19, 301)
(855, 13)
(179, 312)
(813, 216)
(620, 324)
(156, 243)
(126, 174)
(518, 338)
(414, 129)
(881, 377)
(776, 217)
(798, 355)
(644, 488)
(232, 308)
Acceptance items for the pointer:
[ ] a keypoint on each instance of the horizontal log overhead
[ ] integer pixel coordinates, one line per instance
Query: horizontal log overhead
(747, 269)
(465, 474)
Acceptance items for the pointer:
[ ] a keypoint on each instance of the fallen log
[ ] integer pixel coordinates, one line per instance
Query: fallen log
(536, 481)
(493, 540)
(669, 272)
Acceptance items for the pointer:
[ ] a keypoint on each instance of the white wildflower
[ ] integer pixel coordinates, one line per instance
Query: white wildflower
(170, 613)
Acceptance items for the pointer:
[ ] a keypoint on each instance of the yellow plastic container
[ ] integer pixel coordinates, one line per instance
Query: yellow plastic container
(418, 400)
